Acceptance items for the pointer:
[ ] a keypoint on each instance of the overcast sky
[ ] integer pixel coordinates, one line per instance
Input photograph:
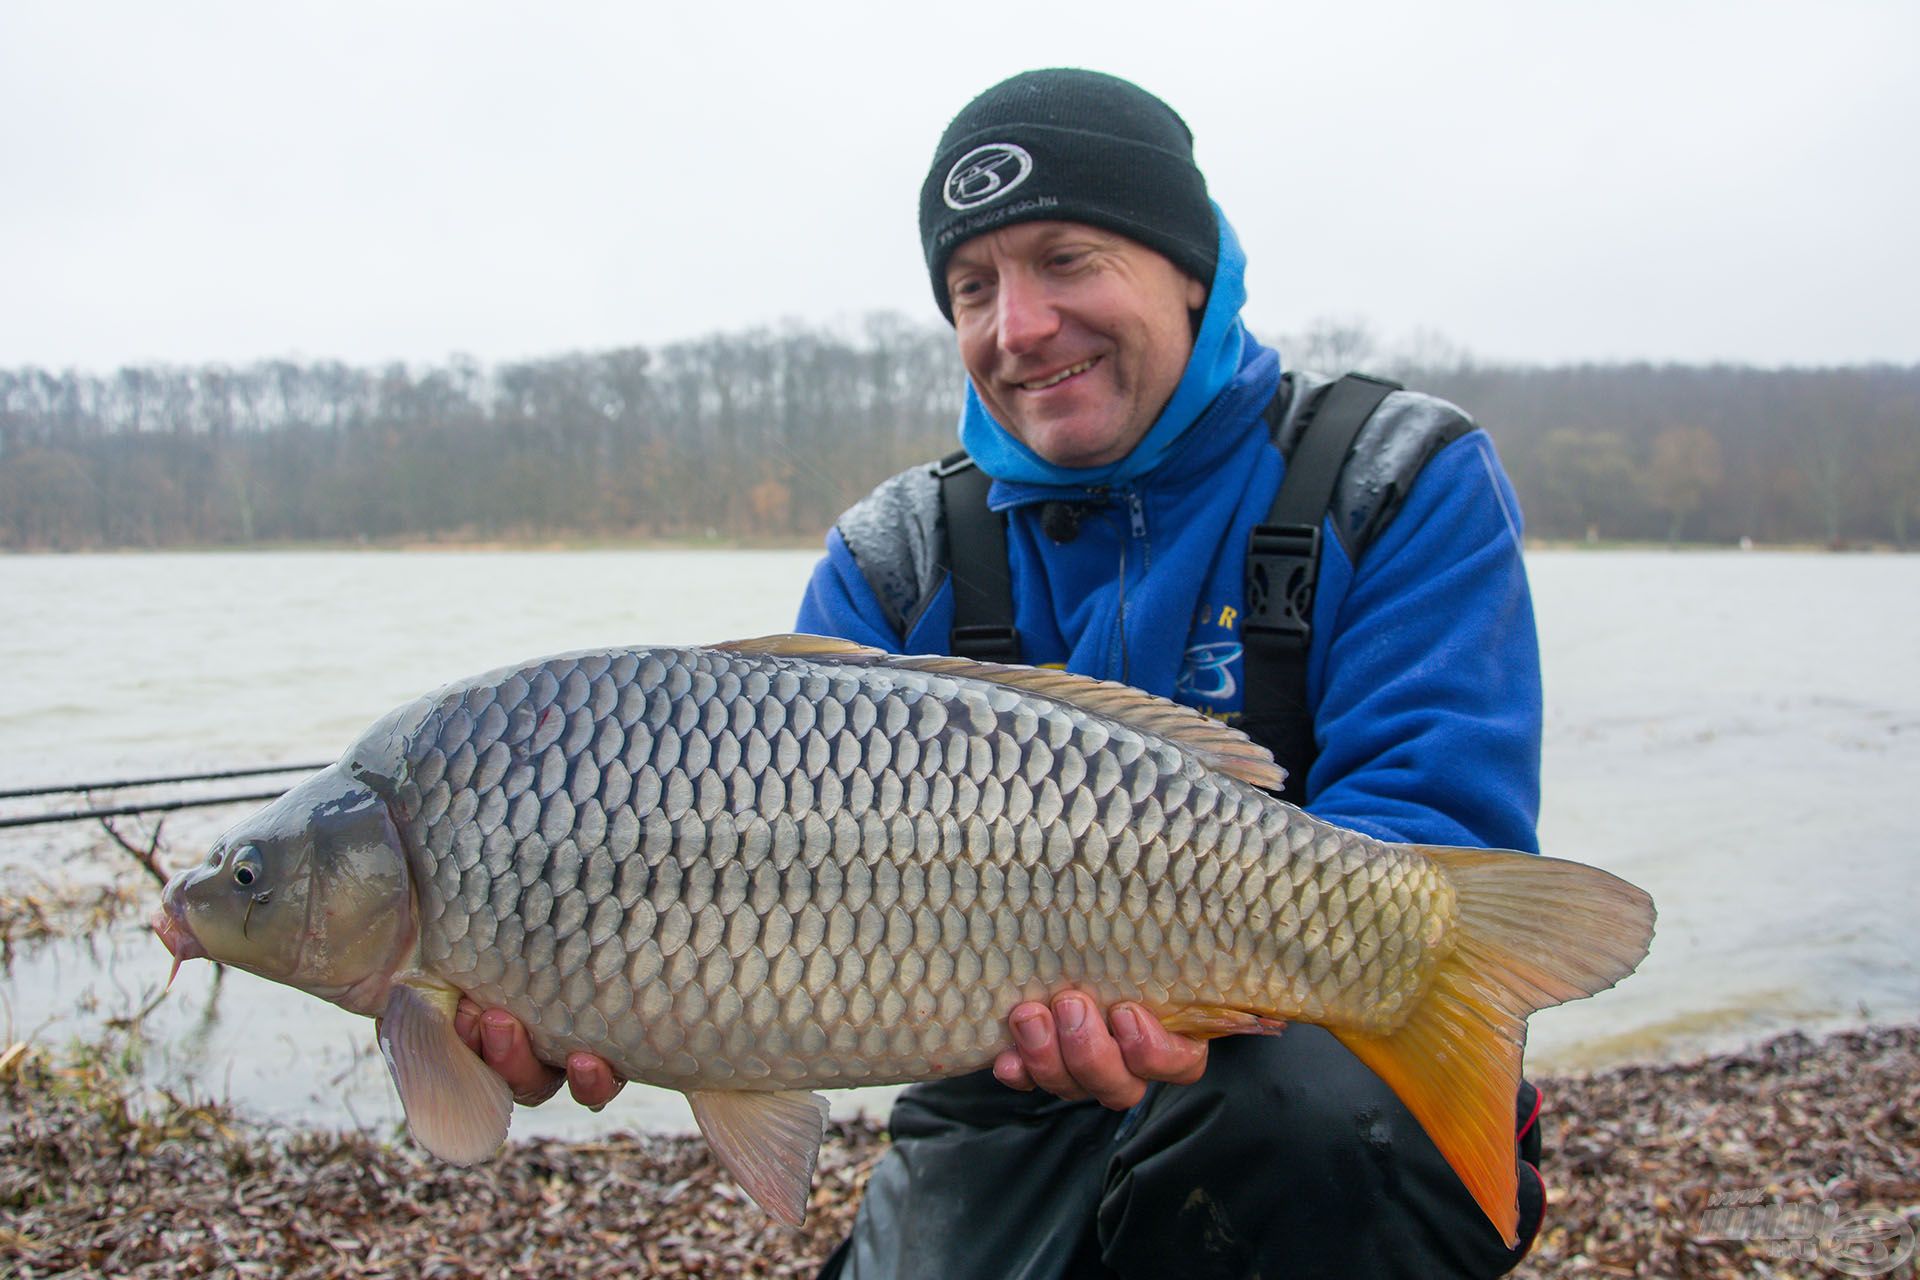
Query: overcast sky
(1539, 181)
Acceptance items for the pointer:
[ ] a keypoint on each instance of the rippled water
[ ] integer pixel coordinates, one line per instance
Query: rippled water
(1738, 733)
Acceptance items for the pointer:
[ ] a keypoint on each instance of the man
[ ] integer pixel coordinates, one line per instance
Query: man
(1135, 435)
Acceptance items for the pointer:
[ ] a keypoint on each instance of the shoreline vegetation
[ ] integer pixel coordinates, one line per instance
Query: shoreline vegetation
(773, 433)
(1763, 1162)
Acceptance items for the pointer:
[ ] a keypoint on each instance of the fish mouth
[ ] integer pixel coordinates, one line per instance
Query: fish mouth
(179, 940)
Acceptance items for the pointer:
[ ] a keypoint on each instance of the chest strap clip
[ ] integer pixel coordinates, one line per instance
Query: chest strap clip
(1281, 559)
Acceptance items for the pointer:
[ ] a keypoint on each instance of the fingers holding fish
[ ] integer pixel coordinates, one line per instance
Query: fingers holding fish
(1070, 1050)
(591, 1081)
(502, 1044)
(1151, 1051)
(1088, 1057)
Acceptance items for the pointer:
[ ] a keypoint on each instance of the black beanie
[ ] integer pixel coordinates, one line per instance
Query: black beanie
(1070, 146)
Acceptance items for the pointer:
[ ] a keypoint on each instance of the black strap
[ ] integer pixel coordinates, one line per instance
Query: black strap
(976, 560)
(1283, 568)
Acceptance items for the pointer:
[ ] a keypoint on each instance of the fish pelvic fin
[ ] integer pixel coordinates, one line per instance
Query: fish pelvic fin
(769, 1141)
(456, 1106)
(1532, 932)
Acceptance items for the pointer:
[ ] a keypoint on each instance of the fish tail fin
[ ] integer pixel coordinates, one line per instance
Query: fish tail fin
(1532, 932)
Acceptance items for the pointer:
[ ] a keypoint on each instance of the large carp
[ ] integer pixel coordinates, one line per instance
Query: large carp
(754, 870)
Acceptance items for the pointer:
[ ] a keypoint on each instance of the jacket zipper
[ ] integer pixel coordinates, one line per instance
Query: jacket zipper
(1137, 527)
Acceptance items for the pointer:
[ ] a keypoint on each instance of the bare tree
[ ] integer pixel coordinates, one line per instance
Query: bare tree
(1684, 470)
(1581, 479)
(1332, 344)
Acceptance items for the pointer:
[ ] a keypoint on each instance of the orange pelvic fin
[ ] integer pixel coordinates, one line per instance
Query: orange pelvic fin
(1532, 932)
(1209, 1022)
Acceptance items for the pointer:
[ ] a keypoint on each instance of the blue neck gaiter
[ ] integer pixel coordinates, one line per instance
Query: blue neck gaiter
(1215, 360)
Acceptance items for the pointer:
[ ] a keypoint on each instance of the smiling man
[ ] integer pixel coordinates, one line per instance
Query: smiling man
(1133, 458)
(1073, 337)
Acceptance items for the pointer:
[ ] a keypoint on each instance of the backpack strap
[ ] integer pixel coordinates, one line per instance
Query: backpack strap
(1283, 567)
(975, 558)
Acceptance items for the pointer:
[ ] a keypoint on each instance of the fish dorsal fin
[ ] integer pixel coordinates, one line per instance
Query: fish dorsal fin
(1221, 746)
(456, 1106)
(803, 646)
(767, 1141)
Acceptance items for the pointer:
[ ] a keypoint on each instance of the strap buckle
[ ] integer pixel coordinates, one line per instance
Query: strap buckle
(987, 644)
(1280, 580)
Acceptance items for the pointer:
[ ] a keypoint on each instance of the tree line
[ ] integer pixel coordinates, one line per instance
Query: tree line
(770, 433)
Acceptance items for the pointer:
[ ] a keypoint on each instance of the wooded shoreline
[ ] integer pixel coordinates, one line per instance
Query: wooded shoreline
(767, 433)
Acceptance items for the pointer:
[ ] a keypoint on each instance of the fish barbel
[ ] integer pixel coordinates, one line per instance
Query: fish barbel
(750, 871)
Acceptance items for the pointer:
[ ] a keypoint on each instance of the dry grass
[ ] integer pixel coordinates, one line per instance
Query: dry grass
(40, 909)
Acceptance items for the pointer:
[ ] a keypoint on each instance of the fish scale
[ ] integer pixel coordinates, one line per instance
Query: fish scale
(961, 833)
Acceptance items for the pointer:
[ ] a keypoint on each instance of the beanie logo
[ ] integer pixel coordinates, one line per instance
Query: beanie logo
(986, 173)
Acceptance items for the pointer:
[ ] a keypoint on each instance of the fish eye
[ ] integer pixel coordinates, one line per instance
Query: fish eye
(247, 867)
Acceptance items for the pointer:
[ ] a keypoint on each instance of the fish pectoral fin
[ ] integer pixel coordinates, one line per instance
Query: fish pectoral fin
(769, 1142)
(1210, 1022)
(457, 1107)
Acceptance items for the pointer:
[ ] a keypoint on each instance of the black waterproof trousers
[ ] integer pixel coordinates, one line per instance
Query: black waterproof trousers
(1288, 1160)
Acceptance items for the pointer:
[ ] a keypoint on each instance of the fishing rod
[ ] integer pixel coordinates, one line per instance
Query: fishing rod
(121, 811)
(148, 806)
(19, 793)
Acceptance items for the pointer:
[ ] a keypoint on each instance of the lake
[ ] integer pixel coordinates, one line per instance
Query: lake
(1738, 733)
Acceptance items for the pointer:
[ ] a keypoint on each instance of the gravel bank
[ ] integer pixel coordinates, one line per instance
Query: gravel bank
(1650, 1169)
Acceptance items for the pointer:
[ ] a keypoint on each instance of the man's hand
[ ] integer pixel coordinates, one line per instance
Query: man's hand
(1069, 1050)
(502, 1044)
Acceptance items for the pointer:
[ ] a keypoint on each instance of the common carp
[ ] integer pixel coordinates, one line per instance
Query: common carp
(763, 868)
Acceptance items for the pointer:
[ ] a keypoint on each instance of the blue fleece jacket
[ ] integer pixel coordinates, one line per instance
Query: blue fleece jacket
(1423, 672)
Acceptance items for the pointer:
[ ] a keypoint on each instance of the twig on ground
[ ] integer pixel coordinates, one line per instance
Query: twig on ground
(149, 858)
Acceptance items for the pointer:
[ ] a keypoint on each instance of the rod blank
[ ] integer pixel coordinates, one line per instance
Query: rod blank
(73, 788)
(120, 811)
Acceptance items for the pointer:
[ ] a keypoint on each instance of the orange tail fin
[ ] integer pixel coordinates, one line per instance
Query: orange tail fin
(1533, 932)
